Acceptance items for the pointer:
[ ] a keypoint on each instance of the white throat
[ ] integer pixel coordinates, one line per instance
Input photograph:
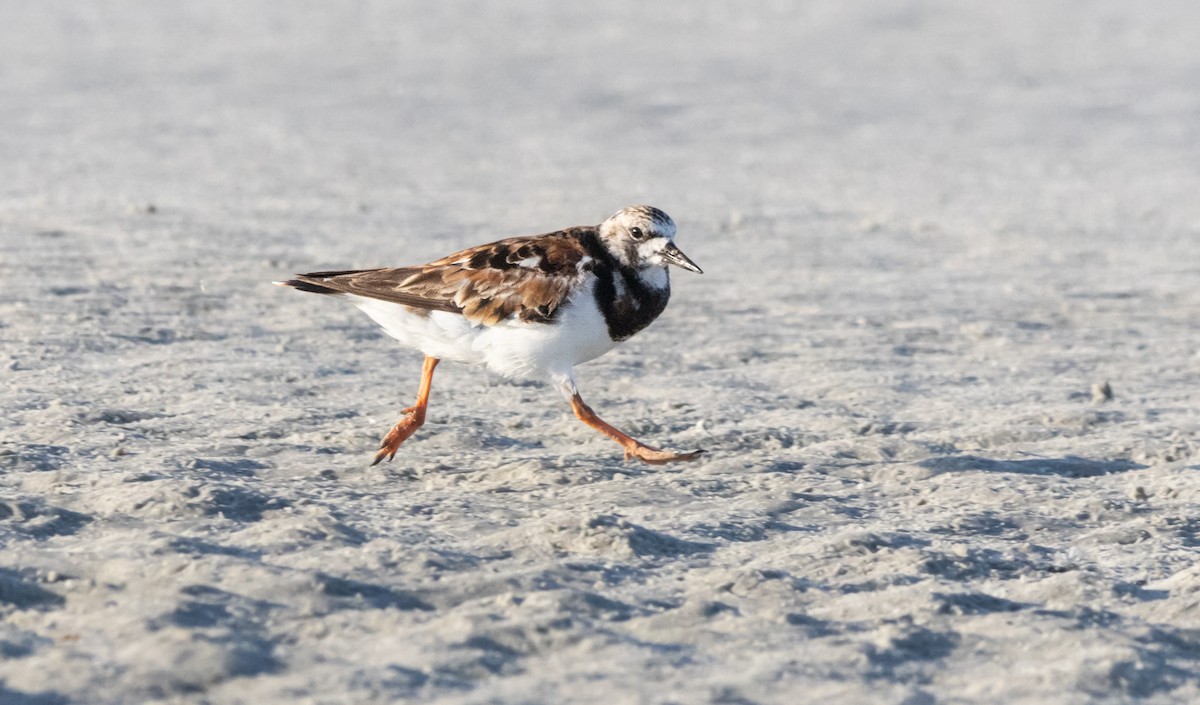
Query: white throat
(654, 277)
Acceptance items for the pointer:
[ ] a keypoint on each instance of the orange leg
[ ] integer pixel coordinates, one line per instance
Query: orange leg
(633, 448)
(414, 416)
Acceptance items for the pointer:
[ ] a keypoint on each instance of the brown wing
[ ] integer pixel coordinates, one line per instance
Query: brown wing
(527, 277)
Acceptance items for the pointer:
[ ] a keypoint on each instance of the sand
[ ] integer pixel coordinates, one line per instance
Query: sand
(932, 232)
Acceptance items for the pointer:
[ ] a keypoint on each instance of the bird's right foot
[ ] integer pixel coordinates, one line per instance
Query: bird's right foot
(404, 428)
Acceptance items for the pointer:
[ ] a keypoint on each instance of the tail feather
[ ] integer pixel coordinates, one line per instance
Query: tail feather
(307, 286)
(306, 282)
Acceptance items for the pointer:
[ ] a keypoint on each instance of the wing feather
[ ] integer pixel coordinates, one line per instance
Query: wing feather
(528, 278)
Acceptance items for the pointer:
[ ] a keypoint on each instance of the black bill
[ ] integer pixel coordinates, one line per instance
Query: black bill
(671, 254)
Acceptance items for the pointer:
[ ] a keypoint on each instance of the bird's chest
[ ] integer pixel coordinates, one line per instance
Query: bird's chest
(631, 301)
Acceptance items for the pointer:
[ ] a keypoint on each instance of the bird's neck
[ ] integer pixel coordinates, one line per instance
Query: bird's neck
(630, 298)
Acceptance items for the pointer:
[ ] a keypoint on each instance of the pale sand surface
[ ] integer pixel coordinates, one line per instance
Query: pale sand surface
(928, 229)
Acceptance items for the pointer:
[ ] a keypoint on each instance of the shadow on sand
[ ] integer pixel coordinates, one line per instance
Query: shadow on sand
(1069, 466)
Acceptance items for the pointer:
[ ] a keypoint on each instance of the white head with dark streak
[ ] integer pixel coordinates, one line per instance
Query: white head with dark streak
(644, 236)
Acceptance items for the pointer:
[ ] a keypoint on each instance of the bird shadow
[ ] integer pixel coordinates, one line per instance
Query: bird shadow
(1067, 466)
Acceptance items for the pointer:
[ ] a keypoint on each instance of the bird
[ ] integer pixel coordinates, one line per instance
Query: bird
(529, 307)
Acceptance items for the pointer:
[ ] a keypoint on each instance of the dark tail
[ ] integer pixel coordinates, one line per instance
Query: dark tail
(307, 282)
(307, 286)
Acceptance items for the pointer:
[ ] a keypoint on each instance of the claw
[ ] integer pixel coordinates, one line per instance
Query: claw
(386, 450)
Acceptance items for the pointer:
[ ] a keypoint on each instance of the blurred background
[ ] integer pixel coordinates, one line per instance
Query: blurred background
(1053, 117)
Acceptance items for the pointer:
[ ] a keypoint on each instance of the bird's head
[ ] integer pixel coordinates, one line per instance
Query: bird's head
(644, 236)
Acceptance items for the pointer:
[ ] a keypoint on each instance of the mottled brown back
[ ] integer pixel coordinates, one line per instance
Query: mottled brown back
(526, 277)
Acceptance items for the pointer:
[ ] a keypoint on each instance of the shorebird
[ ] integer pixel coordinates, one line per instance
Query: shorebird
(526, 307)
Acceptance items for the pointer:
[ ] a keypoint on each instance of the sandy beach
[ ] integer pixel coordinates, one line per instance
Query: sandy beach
(944, 356)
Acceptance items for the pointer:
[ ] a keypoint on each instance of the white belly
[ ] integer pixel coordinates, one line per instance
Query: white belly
(444, 335)
(537, 350)
(512, 348)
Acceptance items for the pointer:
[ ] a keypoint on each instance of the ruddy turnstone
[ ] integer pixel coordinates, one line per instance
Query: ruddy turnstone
(526, 307)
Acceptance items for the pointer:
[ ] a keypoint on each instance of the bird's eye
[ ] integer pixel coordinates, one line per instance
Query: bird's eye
(637, 233)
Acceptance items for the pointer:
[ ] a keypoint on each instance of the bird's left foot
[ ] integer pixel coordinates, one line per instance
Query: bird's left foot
(633, 447)
(654, 456)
